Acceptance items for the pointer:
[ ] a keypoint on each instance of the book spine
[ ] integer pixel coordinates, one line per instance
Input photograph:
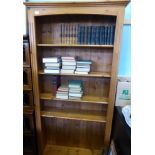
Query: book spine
(83, 35)
(61, 33)
(75, 34)
(79, 35)
(67, 34)
(109, 31)
(105, 35)
(93, 35)
(113, 33)
(97, 35)
(64, 33)
(86, 35)
(72, 34)
(100, 36)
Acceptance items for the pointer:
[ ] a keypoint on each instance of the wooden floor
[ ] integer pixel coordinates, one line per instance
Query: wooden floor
(63, 150)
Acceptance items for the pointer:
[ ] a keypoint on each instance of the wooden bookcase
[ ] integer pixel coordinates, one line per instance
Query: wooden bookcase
(29, 134)
(69, 127)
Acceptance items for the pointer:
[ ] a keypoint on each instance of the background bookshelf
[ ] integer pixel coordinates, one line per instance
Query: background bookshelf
(29, 137)
(69, 126)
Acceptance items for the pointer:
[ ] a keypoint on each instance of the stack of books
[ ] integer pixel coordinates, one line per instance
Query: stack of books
(68, 65)
(52, 65)
(83, 66)
(62, 92)
(75, 89)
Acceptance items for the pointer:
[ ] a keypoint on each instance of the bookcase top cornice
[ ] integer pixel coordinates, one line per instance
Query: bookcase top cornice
(78, 3)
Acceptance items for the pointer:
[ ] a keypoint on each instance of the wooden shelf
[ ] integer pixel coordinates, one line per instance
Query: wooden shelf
(26, 88)
(72, 45)
(74, 115)
(64, 150)
(91, 74)
(84, 99)
(26, 66)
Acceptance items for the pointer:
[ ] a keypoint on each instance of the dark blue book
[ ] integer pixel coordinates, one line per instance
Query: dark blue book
(93, 33)
(96, 34)
(84, 34)
(88, 35)
(79, 34)
(108, 34)
(113, 34)
(101, 35)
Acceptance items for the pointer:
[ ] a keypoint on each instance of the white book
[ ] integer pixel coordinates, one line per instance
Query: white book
(68, 58)
(55, 71)
(83, 66)
(67, 71)
(84, 73)
(69, 63)
(69, 67)
(62, 93)
(62, 97)
(52, 68)
(50, 59)
(74, 98)
(75, 94)
(56, 64)
(83, 69)
(75, 89)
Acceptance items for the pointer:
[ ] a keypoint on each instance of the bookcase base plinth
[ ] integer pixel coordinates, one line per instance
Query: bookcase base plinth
(64, 150)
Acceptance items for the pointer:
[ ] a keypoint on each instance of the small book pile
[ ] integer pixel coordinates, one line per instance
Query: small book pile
(75, 89)
(83, 66)
(52, 65)
(62, 92)
(68, 65)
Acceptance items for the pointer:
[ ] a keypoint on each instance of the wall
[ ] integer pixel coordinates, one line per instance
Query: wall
(125, 53)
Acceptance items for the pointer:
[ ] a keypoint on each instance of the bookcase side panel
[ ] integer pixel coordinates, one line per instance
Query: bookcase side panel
(113, 83)
(32, 34)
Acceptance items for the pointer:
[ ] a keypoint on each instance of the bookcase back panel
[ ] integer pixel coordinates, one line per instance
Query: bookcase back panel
(49, 27)
(74, 133)
(101, 58)
(76, 107)
(92, 86)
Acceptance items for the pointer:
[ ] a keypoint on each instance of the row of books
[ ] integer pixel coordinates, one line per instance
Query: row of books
(82, 34)
(73, 91)
(66, 65)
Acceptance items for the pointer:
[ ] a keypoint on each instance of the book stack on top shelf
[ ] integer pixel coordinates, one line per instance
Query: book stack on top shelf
(68, 65)
(62, 92)
(75, 89)
(52, 65)
(83, 66)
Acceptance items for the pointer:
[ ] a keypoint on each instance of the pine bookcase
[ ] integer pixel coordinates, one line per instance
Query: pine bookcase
(69, 127)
